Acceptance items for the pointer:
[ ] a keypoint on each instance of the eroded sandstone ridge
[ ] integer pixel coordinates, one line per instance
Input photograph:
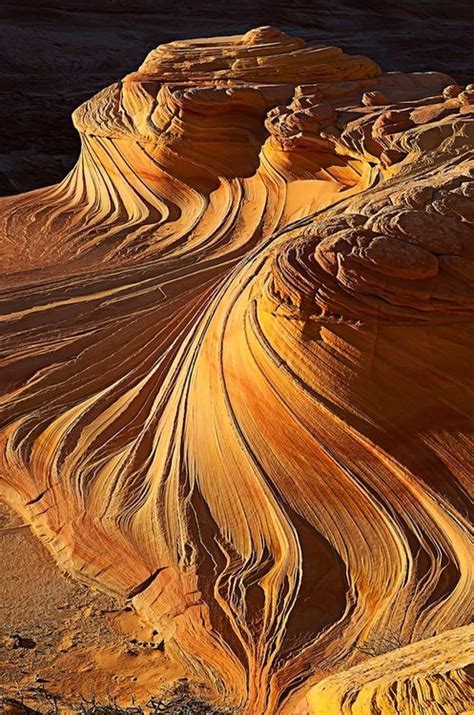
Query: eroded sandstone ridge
(237, 369)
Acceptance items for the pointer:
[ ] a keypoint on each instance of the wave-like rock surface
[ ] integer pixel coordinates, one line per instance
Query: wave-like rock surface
(388, 683)
(237, 367)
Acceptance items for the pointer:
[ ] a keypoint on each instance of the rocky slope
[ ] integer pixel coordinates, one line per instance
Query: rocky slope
(55, 55)
(236, 373)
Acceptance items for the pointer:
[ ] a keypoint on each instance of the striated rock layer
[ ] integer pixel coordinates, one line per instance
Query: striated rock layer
(237, 369)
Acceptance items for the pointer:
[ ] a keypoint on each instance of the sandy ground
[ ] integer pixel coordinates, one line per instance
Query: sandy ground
(57, 631)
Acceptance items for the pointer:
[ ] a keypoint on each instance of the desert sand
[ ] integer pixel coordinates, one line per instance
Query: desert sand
(237, 372)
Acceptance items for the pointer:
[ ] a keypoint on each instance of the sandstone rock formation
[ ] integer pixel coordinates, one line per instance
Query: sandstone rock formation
(236, 368)
(387, 683)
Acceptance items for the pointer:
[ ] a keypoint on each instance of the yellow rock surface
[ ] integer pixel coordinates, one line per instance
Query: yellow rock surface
(416, 680)
(237, 367)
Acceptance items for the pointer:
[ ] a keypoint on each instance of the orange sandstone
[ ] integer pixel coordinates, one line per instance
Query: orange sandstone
(237, 368)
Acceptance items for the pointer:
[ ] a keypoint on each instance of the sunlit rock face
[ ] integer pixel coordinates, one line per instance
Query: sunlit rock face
(411, 679)
(237, 367)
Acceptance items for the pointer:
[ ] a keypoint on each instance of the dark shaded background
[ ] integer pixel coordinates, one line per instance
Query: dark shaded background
(56, 53)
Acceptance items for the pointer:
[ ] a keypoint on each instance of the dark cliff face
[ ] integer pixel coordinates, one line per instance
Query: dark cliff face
(56, 53)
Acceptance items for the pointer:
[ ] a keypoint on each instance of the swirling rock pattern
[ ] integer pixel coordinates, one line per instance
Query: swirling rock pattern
(386, 683)
(236, 372)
